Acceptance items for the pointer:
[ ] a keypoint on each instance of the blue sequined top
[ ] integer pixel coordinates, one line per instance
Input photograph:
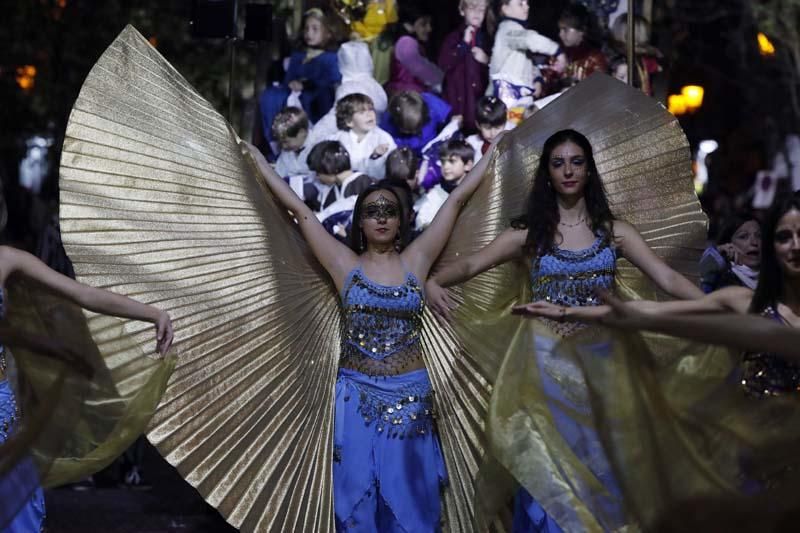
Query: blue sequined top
(382, 324)
(569, 278)
(767, 374)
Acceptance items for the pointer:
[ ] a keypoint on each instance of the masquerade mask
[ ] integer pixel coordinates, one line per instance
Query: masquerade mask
(380, 209)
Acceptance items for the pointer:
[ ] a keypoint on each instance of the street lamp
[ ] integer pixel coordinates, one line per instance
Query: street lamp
(693, 96)
(676, 104)
(765, 46)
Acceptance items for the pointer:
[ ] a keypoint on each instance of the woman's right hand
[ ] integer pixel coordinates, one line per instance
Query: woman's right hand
(164, 333)
(729, 252)
(439, 300)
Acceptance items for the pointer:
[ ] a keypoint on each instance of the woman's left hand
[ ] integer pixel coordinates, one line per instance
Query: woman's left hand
(541, 309)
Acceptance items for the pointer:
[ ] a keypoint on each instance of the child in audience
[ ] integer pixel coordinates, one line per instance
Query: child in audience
(313, 72)
(490, 119)
(339, 186)
(464, 58)
(514, 77)
(581, 54)
(647, 55)
(367, 144)
(290, 131)
(414, 119)
(410, 69)
(456, 158)
(355, 64)
(403, 164)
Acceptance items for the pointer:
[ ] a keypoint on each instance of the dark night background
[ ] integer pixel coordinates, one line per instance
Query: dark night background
(750, 105)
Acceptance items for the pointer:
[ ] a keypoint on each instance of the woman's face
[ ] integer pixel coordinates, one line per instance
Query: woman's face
(380, 217)
(422, 29)
(515, 9)
(568, 169)
(747, 242)
(569, 36)
(787, 244)
(314, 33)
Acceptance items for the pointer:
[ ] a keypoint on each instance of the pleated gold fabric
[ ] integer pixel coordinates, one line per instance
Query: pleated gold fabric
(643, 159)
(691, 451)
(158, 203)
(81, 407)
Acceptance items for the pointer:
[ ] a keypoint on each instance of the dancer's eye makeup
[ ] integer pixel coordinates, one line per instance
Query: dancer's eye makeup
(557, 160)
(380, 209)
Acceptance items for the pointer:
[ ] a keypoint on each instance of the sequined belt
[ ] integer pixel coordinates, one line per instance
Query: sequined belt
(401, 411)
(577, 276)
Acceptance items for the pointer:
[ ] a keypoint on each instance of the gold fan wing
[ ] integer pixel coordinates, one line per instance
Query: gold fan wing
(158, 203)
(642, 157)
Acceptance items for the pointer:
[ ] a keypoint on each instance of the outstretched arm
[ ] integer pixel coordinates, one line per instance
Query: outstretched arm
(636, 250)
(337, 258)
(727, 300)
(505, 247)
(740, 331)
(421, 253)
(98, 300)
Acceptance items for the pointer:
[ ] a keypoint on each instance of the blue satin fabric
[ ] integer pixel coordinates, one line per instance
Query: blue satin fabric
(388, 467)
(21, 497)
(529, 515)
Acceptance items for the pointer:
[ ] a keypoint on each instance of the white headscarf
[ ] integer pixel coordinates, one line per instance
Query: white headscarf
(355, 64)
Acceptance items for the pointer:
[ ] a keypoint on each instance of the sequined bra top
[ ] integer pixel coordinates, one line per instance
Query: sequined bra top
(570, 278)
(767, 374)
(382, 325)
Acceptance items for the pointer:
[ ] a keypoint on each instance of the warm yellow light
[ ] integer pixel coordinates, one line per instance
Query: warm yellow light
(693, 96)
(25, 82)
(153, 41)
(26, 76)
(676, 104)
(765, 46)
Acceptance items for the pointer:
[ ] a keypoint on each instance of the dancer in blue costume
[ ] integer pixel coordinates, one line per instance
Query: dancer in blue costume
(715, 429)
(22, 506)
(388, 465)
(570, 242)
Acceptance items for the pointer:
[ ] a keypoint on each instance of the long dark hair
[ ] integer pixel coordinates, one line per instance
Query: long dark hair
(732, 224)
(542, 217)
(357, 241)
(770, 278)
(408, 12)
(578, 16)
